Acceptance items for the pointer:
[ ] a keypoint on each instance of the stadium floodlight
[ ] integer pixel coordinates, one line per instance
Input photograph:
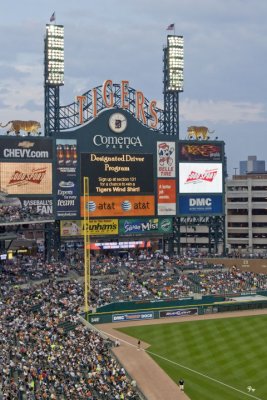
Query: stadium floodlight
(54, 55)
(175, 63)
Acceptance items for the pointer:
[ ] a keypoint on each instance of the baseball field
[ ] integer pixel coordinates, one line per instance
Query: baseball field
(219, 359)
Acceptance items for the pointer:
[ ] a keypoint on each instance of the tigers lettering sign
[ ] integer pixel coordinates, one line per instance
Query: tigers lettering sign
(26, 178)
(96, 227)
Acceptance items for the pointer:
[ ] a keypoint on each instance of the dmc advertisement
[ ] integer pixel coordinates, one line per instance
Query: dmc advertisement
(166, 197)
(25, 148)
(122, 206)
(96, 227)
(200, 178)
(142, 226)
(26, 178)
(132, 316)
(43, 206)
(178, 313)
(201, 204)
(200, 152)
(118, 174)
(166, 160)
(67, 199)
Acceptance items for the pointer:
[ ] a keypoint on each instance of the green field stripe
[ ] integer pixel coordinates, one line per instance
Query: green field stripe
(231, 350)
(203, 375)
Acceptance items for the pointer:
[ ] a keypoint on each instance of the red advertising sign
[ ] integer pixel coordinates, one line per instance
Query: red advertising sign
(26, 178)
(166, 197)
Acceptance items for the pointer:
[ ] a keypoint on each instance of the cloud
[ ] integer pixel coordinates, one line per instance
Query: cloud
(222, 111)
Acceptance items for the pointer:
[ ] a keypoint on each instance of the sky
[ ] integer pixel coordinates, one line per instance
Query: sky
(225, 54)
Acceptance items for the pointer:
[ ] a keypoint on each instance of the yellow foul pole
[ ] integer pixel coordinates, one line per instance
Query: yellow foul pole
(86, 236)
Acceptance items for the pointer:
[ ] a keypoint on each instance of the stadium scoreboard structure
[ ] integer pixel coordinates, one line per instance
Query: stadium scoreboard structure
(138, 179)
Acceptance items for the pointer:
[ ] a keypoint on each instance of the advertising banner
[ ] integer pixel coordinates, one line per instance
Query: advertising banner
(166, 197)
(145, 225)
(166, 160)
(26, 148)
(133, 316)
(26, 178)
(200, 152)
(118, 206)
(200, 204)
(96, 227)
(112, 174)
(200, 178)
(67, 199)
(43, 206)
(178, 313)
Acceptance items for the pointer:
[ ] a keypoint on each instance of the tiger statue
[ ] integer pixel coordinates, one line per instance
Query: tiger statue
(27, 126)
(198, 132)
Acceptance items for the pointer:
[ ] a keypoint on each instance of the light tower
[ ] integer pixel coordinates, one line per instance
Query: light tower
(53, 75)
(173, 82)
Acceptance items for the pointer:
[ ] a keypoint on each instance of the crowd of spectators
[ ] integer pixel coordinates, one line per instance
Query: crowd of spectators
(45, 351)
(114, 279)
(22, 269)
(231, 281)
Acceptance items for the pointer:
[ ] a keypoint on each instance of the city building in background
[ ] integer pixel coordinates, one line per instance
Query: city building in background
(252, 165)
(246, 214)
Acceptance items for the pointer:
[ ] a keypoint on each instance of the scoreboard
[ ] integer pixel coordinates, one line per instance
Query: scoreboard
(133, 172)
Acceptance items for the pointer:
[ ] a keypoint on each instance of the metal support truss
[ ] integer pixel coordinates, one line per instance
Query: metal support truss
(216, 229)
(216, 233)
(69, 115)
(52, 240)
(51, 110)
(171, 103)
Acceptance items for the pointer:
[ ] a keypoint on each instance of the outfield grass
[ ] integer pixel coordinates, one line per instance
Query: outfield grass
(232, 351)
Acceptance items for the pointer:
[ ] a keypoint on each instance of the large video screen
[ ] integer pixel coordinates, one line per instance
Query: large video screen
(118, 174)
(200, 152)
(200, 178)
(26, 178)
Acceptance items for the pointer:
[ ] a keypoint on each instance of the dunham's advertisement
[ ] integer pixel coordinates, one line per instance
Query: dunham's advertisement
(200, 178)
(93, 227)
(67, 199)
(26, 178)
(166, 160)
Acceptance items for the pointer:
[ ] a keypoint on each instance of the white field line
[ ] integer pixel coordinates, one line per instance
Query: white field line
(182, 366)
